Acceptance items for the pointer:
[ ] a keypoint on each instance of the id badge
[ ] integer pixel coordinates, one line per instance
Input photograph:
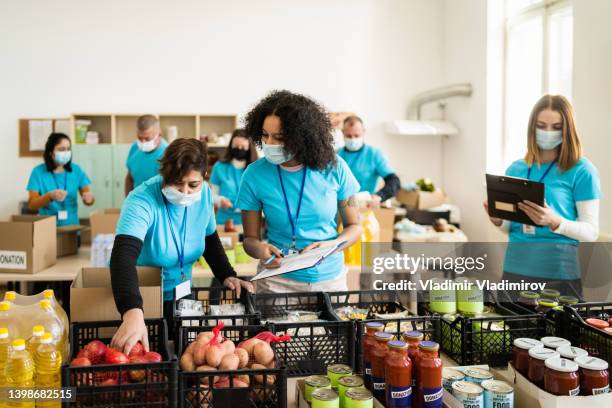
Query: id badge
(529, 229)
(182, 289)
(62, 215)
(289, 251)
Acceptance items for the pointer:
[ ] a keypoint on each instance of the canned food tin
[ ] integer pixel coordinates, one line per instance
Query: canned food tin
(449, 377)
(498, 394)
(337, 371)
(358, 398)
(477, 375)
(347, 383)
(468, 394)
(325, 398)
(315, 382)
(470, 299)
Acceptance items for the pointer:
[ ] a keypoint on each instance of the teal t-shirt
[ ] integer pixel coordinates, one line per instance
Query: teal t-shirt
(144, 216)
(227, 177)
(261, 191)
(545, 254)
(43, 181)
(143, 166)
(367, 164)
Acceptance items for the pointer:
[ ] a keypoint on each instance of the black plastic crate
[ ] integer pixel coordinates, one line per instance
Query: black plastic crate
(272, 392)
(314, 345)
(378, 301)
(216, 294)
(596, 341)
(158, 389)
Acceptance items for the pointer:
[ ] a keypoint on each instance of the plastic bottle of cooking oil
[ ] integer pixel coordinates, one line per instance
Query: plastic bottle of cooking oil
(8, 318)
(5, 349)
(34, 341)
(52, 324)
(48, 360)
(49, 294)
(20, 371)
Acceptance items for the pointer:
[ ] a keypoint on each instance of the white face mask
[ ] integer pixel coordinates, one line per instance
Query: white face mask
(147, 146)
(61, 158)
(548, 139)
(276, 154)
(353, 144)
(177, 198)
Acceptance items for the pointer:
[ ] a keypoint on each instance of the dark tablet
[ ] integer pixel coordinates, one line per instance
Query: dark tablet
(504, 193)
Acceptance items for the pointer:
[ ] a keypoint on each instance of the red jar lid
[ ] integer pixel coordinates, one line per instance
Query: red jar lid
(598, 323)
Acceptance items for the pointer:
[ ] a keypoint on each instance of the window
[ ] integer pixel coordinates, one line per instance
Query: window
(538, 60)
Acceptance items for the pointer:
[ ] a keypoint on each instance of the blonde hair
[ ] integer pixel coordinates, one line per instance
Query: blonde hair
(571, 148)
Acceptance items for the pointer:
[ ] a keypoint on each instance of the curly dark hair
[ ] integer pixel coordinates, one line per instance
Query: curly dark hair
(306, 129)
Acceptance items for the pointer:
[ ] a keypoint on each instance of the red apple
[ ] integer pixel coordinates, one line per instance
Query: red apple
(137, 375)
(153, 357)
(96, 350)
(137, 350)
(80, 362)
(83, 354)
(116, 357)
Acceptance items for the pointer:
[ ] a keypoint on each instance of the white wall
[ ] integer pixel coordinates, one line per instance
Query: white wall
(215, 56)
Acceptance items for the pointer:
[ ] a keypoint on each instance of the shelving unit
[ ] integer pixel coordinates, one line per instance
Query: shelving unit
(102, 123)
(219, 124)
(125, 127)
(187, 124)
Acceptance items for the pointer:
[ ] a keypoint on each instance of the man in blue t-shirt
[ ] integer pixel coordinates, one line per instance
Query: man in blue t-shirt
(367, 163)
(144, 155)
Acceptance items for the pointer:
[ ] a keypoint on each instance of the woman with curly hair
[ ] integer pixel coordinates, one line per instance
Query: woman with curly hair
(300, 186)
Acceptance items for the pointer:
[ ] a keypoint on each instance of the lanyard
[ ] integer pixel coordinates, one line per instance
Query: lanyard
(550, 166)
(180, 250)
(299, 205)
(62, 205)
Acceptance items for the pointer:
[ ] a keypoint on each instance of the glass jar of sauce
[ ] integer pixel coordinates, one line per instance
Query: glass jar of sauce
(429, 378)
(378, 352)
(413, 338)
(367, 341)
(528, 299)
(561, 377)
(554, 343)
(398, 375)
(537, 368)
(594, 375)
(520, 353)
(571, 352)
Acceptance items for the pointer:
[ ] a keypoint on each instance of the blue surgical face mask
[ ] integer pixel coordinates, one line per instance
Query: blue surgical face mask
(353, 144)
(182, 199)
(276, 154)
(548, 139)
(61, 158)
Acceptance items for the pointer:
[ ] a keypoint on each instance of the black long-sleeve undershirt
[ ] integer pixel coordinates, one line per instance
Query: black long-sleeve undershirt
(391, 187)
(124, 278)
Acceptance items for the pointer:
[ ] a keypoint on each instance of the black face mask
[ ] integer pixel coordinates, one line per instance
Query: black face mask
(239, 154)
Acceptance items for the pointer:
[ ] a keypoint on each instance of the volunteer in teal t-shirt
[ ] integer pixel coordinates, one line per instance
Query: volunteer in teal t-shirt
(167, 222)
(226, 175)
(55, 185)
(300, 186)
(367, 163)
(549, 251)
(143, 158)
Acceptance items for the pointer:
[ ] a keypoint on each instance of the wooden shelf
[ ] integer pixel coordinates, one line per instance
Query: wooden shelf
(126, 129)
(219, 124)
(186, 124)
(100, 122)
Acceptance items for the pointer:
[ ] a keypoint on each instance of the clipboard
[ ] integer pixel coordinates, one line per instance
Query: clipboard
(504, 193)
(296, 262)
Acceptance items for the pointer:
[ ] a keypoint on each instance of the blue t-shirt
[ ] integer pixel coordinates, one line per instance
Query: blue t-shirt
(261, 191)
(143, 166)
(367, 164)
(144, 216)
(545, 254)
(43, 181)
(227, 177)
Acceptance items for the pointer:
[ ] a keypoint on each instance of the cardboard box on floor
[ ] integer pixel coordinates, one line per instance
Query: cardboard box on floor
(103, 221)
(27, 243)
(527, 394)
(68, 240)
(421, 200)
(91, 296)
(302, 403)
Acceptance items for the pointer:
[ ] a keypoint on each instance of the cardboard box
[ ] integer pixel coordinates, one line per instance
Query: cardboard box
(103, 221)
(421, 200)
(85, 232)
(386, 219)
(228, 239)
(91, 296)
(527, 394)
(302, 403)
(27, 243)
(68, 240)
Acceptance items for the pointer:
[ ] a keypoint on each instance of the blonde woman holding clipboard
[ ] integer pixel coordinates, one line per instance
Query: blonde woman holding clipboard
(548, 252)
(300, 186)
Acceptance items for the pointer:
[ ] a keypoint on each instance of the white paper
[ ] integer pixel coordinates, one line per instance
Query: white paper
(296, 262)
(39, 132)
(63, 126)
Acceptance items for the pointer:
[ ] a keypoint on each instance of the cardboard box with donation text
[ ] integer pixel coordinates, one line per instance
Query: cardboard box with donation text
(27, 243)
(103, 221)
(91, 296)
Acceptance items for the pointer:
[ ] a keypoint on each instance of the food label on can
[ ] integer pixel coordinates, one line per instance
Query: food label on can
(574, 392)
(602, 390)
(494, 400)
(399, 396)
(432, 397)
